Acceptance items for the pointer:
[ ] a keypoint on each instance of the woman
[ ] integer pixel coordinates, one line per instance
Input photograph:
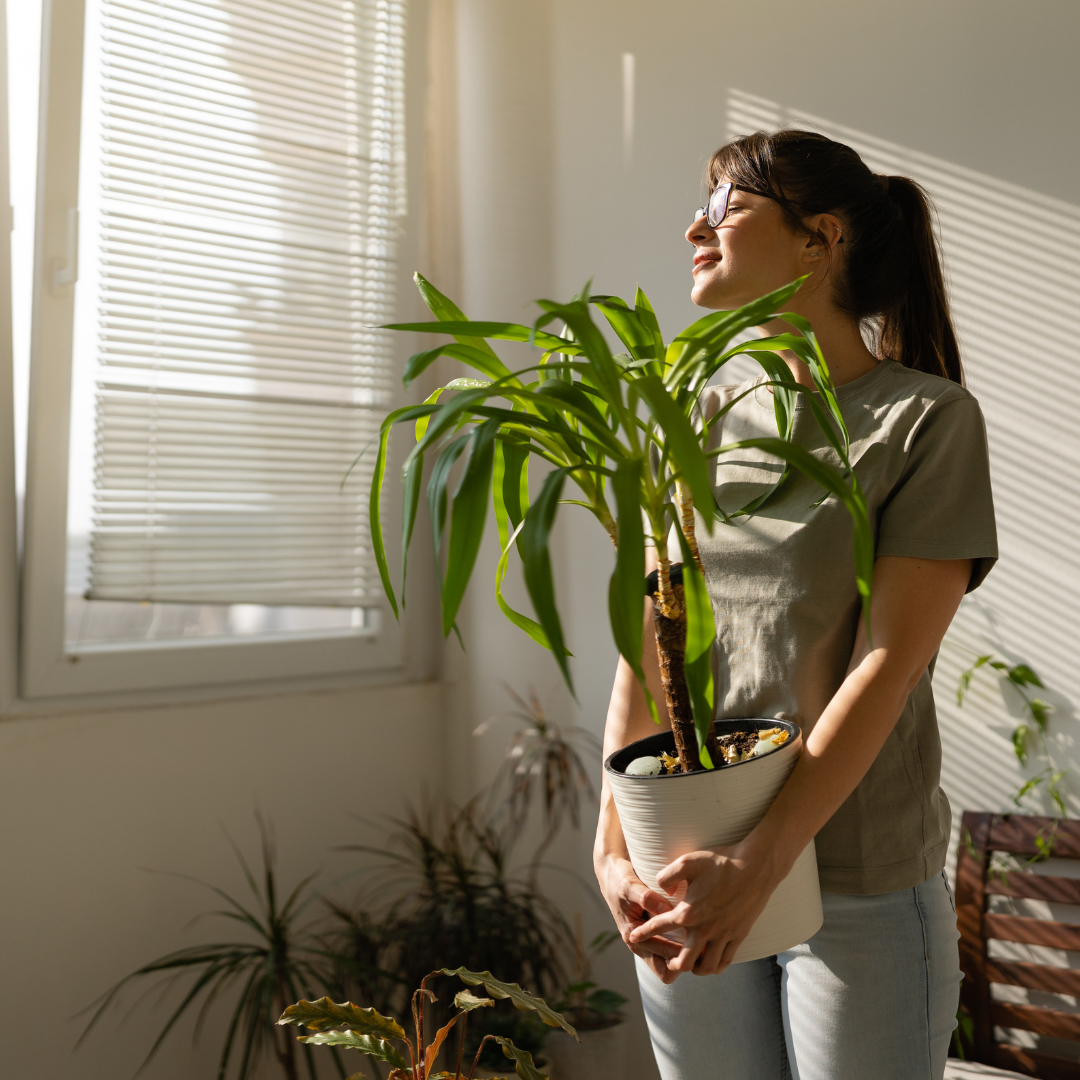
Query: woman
(874, 992)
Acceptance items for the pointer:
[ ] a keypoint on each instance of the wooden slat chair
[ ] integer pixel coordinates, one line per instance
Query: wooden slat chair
(1016, 834)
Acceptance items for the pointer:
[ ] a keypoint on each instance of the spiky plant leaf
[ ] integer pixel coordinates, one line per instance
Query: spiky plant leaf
(324, 1013)
(522, 1059)
(521, 999)
(351, 1040)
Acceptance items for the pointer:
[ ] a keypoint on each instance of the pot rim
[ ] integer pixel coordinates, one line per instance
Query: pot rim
(721, 727)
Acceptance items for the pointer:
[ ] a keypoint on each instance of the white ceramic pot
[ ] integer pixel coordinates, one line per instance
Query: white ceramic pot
(664, 817)
(601, 1052)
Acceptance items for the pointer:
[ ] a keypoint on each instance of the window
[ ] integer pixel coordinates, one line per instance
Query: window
(216, 242)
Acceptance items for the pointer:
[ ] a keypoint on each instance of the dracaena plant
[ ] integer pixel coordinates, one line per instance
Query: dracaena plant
(353, 1028)
(625, 430)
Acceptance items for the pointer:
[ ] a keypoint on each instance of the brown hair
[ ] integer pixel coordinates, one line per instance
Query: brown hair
(890, 276)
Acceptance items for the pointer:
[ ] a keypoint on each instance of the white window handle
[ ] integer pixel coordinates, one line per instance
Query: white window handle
(66, 271)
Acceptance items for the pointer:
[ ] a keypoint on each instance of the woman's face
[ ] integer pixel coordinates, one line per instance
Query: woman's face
(750, 253)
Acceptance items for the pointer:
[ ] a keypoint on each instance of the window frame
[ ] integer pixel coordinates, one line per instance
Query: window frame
(47, 669)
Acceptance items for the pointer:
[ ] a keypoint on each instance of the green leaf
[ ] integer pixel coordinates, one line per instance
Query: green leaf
(500, 331)
(483, 360)
(627, 323)
(648, 320)
(378, 544)
(366, 1044)
(592, 345)
(467, 1000)
(522, 622)
(412, 475)
(1020, 742)
(681, 442)
(467, 519)
(1040, 711)
(436, 492)
(522, 1059)
(533, 546)
(445, 310)
(521, 999)
(605, 1002)
(324, 1013)
(1022, 675)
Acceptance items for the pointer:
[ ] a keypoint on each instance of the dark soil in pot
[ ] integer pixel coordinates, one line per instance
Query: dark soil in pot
(738, 735)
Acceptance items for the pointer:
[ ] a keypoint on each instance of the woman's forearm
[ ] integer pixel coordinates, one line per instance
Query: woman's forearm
(628, 720)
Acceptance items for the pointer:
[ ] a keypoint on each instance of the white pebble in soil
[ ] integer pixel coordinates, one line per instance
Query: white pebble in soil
(645, 766)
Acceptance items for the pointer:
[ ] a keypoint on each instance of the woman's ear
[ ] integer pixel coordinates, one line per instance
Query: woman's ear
(826, 234)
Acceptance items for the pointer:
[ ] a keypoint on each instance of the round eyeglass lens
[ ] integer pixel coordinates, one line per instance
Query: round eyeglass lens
(718, 205)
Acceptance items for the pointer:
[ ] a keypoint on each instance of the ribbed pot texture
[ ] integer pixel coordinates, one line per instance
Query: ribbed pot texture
(664, 817)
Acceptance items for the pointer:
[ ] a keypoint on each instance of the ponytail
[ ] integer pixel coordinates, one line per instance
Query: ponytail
(918, 330)
(889, 277)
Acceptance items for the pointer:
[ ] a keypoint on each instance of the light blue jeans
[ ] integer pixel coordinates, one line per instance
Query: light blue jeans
(872, 994)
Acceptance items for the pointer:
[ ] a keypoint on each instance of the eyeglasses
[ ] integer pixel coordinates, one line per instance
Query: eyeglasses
(717, 209)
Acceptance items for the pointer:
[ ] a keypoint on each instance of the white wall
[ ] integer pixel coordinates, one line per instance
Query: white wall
(93, 804)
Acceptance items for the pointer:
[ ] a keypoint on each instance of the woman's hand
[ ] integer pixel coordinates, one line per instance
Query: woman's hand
(727, 888)
(632, 902)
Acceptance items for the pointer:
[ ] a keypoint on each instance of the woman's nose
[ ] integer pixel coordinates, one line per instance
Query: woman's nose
(699, 232)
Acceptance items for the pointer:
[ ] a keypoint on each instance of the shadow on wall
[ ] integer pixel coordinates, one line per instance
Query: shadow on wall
(1013, 262)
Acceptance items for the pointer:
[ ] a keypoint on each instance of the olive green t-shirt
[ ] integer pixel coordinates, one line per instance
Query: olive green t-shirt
(782, 583)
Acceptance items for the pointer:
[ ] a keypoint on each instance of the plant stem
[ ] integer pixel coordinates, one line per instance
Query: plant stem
(670, 604)
(461, 1047)
(671, 652)
(685, 500)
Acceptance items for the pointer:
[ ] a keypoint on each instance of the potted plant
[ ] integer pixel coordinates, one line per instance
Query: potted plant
(445, 886)
(284, 959)
(625, 430)
(347, 1026)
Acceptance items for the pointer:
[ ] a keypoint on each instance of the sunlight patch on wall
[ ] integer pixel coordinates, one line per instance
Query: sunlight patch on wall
(1013, 263)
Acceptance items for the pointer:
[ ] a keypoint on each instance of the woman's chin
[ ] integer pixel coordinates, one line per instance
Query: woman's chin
(708, 297)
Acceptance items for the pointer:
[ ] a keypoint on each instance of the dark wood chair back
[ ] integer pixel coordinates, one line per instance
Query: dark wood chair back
(976, 882)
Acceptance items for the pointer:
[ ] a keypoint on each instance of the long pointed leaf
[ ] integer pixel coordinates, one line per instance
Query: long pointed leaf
(682, 443)
(467, 519)
(522, 622)
(323, 1014)
(520, 999)
(471, 328)
(371, 1045)
(533, 547)
(522, 1059)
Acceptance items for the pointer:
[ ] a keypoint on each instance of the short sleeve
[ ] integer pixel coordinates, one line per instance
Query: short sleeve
(942, 506)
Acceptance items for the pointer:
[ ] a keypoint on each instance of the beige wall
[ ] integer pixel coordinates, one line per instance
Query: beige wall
(93, 804)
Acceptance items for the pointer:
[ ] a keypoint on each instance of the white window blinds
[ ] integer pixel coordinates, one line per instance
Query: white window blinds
(252, 173)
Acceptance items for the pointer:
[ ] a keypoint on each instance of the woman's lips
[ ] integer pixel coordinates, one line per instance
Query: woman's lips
(704, 260)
